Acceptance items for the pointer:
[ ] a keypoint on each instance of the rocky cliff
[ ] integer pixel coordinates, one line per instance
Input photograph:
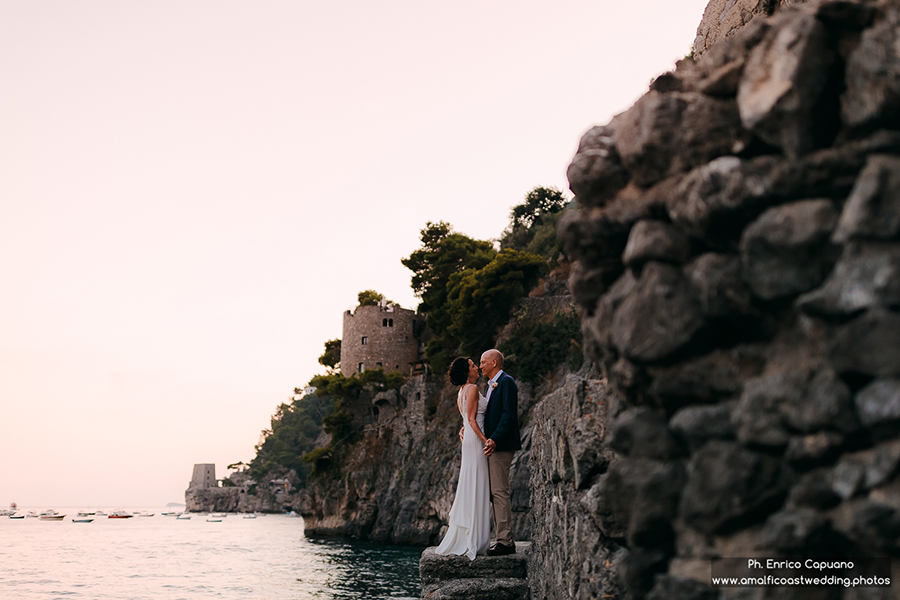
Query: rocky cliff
(738, 272)
(399, 481)
(723, 18)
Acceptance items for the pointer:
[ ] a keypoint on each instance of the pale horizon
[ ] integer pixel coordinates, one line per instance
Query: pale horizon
(194, 192)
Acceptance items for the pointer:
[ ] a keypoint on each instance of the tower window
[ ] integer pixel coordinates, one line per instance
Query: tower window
(361, 367)
(390, 322)
(365, 340)
(378, 365)
(384, 322)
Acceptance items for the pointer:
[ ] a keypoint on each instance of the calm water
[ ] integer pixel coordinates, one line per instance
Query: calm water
(161, 558)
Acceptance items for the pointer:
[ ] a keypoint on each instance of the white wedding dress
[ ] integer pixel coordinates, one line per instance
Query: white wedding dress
(469, 531)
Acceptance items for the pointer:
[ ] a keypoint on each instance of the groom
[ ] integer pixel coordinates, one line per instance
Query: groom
(501, 426)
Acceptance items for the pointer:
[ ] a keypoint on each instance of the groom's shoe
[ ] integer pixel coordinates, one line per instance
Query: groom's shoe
(501, 549)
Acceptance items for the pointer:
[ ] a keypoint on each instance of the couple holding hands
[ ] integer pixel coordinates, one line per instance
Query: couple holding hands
(490, 437)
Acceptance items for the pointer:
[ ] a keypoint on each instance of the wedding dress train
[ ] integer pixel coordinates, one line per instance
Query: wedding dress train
(469, 531)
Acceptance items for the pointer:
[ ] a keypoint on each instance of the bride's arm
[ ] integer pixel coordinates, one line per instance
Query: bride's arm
(472, 411)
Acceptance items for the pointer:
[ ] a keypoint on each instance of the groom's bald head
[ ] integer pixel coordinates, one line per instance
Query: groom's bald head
(491, 363)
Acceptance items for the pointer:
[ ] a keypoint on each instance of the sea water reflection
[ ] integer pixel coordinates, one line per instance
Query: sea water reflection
(160, 558)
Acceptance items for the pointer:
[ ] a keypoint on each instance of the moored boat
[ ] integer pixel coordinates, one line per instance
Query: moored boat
(120, 514)
(83, 520)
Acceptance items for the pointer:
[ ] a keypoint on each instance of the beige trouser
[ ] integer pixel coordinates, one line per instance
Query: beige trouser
(498, 465)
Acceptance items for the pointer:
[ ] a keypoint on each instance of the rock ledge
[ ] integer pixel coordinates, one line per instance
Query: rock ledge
(486, 577)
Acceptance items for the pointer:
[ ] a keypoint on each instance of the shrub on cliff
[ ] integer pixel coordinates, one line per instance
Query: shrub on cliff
(480, 300)
(532, 224)
(331, 358)
(293, 430)
(535, 349)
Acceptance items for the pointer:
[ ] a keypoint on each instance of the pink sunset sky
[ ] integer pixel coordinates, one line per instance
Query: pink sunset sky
(192, 192)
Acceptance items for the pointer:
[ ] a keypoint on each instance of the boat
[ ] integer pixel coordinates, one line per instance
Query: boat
(31, 514)
(100, 513)
(82, 520)
(250, 516)
(219, 515)
(184, 517)
(143, 513)
(120, 514)
(213, 519)
(16, 516)
(56, 517)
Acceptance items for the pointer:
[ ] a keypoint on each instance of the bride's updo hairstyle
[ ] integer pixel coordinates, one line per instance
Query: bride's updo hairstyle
(459, 371)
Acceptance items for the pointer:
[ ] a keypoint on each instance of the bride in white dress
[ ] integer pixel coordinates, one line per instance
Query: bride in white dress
(469, 531)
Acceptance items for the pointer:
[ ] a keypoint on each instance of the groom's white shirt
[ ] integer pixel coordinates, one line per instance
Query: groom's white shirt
(491, 383)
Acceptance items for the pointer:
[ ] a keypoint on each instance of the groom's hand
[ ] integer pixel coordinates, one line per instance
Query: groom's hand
(489, 447)
(462, 432)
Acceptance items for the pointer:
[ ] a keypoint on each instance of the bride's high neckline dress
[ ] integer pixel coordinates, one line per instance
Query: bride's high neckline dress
(469, 531)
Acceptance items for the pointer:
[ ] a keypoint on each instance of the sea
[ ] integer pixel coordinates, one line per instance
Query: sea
(163, 558)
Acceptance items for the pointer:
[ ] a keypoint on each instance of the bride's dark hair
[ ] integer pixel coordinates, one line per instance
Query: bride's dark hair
(459, 371)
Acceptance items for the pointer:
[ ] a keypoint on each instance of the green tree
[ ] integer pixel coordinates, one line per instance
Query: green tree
(532, 224)
(370, 298)
(443, 254)
(479, 301)
(331, 358)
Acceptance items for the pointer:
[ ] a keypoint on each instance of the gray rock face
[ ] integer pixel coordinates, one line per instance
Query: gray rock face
(873, 209)
(724, 20)
(873, 76)
(571, 556)
(879, 402)
(662, 302)
(780, 93)
(866, 276)
(728, 486)
(664, 134)
(869, 344)
(655, 240)
(596, 173)
(784, 252)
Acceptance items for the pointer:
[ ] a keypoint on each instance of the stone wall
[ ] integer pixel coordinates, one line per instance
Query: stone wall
(380, 336)
(738, 270)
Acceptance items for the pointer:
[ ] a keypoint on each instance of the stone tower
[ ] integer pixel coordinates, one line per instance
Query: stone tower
(380, 336)
(204, 476)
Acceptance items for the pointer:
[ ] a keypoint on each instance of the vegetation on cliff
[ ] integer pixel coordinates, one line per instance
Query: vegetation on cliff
(293, 432)
(468, 289)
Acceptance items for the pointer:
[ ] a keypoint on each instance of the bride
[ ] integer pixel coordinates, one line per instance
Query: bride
(469, 531)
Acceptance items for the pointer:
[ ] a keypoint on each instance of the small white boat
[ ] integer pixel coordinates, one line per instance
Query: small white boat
(213, 520)
(31, 514)
(83, 520)
(16, 516)
(219, 515)
(250, 516)
(120, 514)
(52, 517)
(184, 517)
(100, 513)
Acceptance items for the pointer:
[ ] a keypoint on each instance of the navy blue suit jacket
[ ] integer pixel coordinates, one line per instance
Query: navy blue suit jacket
(501, 419)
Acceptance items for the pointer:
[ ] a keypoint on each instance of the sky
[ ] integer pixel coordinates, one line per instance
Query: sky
(193, 192)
